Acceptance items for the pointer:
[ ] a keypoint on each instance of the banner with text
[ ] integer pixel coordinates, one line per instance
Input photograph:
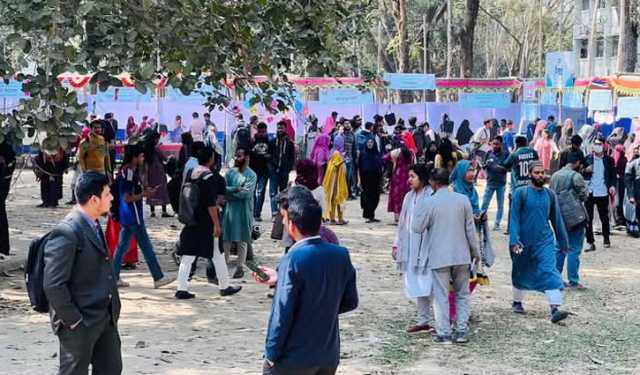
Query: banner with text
(410, 81)
(485, 100)
(345, 96)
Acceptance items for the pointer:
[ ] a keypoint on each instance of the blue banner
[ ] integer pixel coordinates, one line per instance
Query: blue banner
(485, 100)
(410, 81)
(12, 90)
(345, 96)
(600, 100)
(628, 107)
(560, 69)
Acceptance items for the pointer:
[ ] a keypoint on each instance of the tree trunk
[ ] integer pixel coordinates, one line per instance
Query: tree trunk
(449, 38)
(628, 39)
(591, 49)
(467, 37)
(400, 15)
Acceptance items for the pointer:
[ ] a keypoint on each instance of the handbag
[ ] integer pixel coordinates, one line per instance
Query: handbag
(278, 227)
(572, 210)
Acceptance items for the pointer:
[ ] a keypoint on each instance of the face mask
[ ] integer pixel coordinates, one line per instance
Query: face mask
(597, 148)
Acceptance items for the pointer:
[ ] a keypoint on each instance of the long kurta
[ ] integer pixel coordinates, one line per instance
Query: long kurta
(156, 176)
(530, 227)
(398, 186)
(413, 246)
(238, 212)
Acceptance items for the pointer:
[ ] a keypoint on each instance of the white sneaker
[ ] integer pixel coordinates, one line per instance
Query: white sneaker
(122, 284)
(166, 280)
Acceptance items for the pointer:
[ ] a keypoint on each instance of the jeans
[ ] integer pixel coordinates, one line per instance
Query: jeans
(277, 182)
(486, 200)
(141, 235)
(261, 191)
(602, 203)
(576, 240)
(349, 166)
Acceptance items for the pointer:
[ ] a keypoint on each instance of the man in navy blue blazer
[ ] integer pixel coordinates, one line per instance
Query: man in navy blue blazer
(316, 283)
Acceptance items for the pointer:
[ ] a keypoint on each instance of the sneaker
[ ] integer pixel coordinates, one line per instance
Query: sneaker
(461, 337)
(183, 294)
(230, 291)
(166, 280)
(592, 247)
(122, 284)
(576, 286)
(446, 340)
(517, 308)
(558, 316)
(238, 274)
(420, 328)
(496, 227)
(607, 245)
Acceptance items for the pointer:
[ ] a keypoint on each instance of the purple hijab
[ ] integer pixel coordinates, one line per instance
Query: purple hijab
(338, 143)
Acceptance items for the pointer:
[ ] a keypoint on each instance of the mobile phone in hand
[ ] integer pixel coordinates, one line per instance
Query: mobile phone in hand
(262, 276)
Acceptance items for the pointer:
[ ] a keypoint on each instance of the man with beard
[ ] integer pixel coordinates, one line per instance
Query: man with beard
(533, 245)
(93, 151)
(281, 163)
(238, 213)
(259, 163)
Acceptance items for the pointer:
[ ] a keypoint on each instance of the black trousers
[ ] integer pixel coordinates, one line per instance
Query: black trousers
(620, 220)
(5, 184)
(370, 197)
(98, 346)
(602, 203)
(279, 370)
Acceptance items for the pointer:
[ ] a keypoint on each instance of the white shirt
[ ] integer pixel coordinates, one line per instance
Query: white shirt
(197, 130)
(597, 185)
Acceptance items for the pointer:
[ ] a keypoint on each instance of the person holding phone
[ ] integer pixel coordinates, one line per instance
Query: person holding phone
(132, 218)
(238, 213)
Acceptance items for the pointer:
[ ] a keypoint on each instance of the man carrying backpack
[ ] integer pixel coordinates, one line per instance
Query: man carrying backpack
(80, 284)
(199, 237)
(569, 179)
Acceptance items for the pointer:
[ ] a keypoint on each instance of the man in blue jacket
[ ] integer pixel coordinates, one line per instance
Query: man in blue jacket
(316, 283)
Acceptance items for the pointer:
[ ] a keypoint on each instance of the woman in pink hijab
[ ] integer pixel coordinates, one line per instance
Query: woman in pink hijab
(132, 128)
(547, 149)
(541, 125)
(320, 155)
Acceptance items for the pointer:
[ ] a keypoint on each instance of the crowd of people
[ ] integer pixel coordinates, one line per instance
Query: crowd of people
(443, 246)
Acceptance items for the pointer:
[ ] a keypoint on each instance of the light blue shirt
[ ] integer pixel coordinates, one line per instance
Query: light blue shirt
(597, 184)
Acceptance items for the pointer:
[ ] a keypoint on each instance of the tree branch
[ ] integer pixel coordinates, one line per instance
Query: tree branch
(505, 28)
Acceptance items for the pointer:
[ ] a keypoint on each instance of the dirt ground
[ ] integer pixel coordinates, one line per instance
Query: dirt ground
(216, 335)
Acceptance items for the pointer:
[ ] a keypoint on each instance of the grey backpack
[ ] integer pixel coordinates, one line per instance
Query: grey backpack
(189, 200)
(572, 210)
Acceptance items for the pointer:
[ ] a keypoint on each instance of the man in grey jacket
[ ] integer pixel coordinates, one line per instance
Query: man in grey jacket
(453, 247)
(81, 286)
(568, 178)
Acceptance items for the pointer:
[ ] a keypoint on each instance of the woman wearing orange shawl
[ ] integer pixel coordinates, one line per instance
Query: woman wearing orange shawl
(335, 189)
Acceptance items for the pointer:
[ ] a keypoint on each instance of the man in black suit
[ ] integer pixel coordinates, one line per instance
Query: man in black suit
(81, 286)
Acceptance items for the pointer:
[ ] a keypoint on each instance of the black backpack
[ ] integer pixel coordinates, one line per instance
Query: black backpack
(189, 200)
(34, 274)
